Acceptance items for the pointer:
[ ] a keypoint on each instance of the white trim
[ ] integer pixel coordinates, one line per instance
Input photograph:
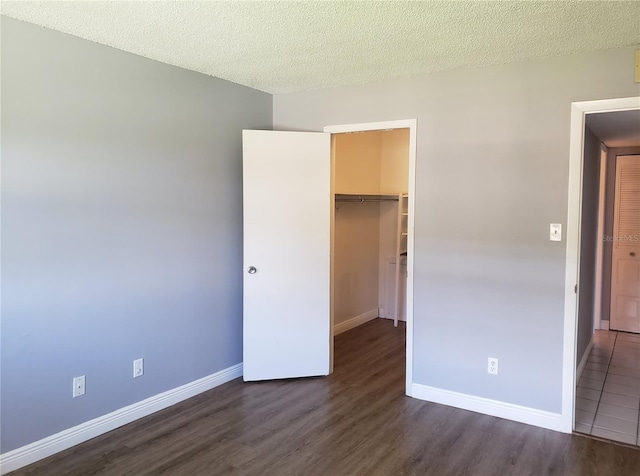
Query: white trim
(583, 360)
(411, 229)
(604, 325)
(332, 246)
(576, 150)
(597, 292)
(355, 321)
(412, 125)
(50, 445)
(508, 411)
(371, 126)
(608, 105)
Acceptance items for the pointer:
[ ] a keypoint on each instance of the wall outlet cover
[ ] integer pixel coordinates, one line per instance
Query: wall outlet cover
(78, 386)
(138, 368)
(493, 366)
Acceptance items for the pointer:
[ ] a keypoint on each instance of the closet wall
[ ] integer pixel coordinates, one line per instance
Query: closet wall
(356, 269)
(373, 166)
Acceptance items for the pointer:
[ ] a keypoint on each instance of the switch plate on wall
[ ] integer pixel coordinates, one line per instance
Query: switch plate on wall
(555, 232)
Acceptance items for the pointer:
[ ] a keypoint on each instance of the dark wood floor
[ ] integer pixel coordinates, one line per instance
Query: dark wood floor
(355, 422)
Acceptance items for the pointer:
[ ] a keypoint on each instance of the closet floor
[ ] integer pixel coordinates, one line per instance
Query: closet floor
(608, 392)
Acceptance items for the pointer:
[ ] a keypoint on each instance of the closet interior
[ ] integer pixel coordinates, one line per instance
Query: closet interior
(371, 176)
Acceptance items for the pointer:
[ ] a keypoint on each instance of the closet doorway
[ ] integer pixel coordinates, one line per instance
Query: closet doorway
(289, 212)
(373, 185)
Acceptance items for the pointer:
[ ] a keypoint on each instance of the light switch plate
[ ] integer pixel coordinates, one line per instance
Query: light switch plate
(555, 232)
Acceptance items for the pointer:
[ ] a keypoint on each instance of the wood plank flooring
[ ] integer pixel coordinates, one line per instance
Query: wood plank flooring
(355, 422)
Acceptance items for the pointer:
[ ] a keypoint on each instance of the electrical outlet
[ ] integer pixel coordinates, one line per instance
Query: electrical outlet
(78, 386)
(493, 366)
(138, 368)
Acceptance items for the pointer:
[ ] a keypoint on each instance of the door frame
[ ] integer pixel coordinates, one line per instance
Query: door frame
(412, 125)
(579, 111)
(602, 189)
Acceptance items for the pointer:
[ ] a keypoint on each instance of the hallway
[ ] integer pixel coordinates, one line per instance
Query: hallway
(608, 392)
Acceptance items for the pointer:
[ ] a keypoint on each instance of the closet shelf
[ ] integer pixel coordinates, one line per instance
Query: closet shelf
(348, 197)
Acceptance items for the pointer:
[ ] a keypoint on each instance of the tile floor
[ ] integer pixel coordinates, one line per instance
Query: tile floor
(608, 392)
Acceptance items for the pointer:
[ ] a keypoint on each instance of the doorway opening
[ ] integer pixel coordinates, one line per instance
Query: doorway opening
(601, 382)
(373, 187)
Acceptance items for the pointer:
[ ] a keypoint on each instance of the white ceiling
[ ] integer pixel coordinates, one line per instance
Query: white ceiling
(281, 46)
(616, 129)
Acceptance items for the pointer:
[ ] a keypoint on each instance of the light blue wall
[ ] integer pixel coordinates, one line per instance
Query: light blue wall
(121, 227)
(492, 174)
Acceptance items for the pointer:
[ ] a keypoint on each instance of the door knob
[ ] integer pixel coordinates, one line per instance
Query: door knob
(252, 270)
(632, 254)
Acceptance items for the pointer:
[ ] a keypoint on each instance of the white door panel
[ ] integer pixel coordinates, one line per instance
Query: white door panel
(286, 209)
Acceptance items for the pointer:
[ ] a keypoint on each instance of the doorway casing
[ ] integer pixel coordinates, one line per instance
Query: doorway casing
(579, 111)
(410, 124)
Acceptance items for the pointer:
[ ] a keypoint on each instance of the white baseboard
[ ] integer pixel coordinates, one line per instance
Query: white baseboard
(508, 411)
(50, 445)
(583, 360)
(355, 321)
(604, 325)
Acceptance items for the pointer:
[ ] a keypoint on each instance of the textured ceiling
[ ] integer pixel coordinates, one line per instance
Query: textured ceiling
(616, 129)
(279, 46)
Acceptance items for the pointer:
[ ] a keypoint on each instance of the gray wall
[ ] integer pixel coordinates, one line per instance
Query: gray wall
(589, 240)
(609, 204)
(121, 227)
(492, 173)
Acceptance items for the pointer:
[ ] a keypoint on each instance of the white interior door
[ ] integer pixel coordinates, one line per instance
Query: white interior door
(287, 232)
(625, 272)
